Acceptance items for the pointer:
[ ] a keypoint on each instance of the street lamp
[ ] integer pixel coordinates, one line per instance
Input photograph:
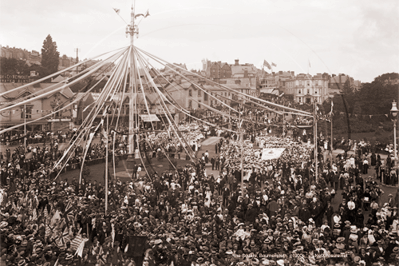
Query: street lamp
(394, 112)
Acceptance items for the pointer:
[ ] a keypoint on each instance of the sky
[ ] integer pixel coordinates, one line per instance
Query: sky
(359, 38)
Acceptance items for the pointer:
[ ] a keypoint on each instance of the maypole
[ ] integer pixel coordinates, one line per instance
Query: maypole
(131, 30)
(133, 138)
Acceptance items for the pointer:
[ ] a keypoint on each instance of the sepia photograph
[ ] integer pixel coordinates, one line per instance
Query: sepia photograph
(199, 133)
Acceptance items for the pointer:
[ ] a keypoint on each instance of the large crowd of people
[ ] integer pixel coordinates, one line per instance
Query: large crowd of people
(281, 215)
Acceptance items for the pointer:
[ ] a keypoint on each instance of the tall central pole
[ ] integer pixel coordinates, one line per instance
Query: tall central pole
(394, 141)
(315, 143)
(332, 139)
(25, 127)
(106, 170)
(131, 30)
(242, 149)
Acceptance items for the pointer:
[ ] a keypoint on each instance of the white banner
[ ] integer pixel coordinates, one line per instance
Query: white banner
(272, 153)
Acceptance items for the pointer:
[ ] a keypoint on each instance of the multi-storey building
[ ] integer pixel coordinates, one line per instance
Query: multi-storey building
(30, 58)
(216, 70)
(308, 89)
(36, 109)
(275, 80)
(337, 82)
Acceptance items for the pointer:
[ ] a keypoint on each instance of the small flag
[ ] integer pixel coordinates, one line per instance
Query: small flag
(70, 217)
(68, 207)
(64, 237)
(76, 242)
(56, 217)
(309, 63)
(117, 10)
(45, 213)
(29, 155)
(79, 251)
(266, 64)
(34, 215)
(273, 64)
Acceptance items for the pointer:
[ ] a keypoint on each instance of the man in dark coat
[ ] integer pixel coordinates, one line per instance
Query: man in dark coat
(304, 213)
(335, 180)
(225, 194)
(251, 214)
(213, 163)
(329, 213)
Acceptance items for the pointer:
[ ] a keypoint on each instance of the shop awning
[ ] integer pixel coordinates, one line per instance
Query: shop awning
(149, 118)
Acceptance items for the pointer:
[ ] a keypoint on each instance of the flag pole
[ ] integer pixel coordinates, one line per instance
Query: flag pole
(315, 141)
(24, 129)
(106, 170)
(332, 139)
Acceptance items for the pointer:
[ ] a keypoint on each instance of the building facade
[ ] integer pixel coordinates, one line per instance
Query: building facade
(35, 110)
(308, 89)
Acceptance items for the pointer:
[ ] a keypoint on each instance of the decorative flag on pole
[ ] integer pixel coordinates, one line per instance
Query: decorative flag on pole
(273, 64)
(266, 64)
(76, 242)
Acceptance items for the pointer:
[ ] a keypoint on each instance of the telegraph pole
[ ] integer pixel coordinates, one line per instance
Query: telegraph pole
(77, 59)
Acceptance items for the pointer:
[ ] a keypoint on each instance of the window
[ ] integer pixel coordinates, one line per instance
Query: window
(308, 91)
(190, 104)
(199, 104)
(28, 112)
(315, 91)
(205, 97)
(299, 92)
(299, 99)
(199, 93)
(190, 93)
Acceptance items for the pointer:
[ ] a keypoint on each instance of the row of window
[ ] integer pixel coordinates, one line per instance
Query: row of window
(308, 91)
(305, 83)
(225, 94)
(308, 100)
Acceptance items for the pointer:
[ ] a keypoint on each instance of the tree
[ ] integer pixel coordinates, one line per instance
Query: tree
(12, 66)
(50, 56)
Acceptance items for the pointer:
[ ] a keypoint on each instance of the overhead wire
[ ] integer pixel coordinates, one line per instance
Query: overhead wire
(221, 85)
(57, 73)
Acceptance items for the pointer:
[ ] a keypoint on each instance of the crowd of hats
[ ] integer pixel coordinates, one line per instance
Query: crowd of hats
(294, 153)
(187, 218)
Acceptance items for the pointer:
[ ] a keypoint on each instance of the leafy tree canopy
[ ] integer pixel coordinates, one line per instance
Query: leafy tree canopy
(50, 55)
(13, 66)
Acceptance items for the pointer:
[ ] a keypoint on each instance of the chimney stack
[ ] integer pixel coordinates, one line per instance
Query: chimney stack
(236, 62)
